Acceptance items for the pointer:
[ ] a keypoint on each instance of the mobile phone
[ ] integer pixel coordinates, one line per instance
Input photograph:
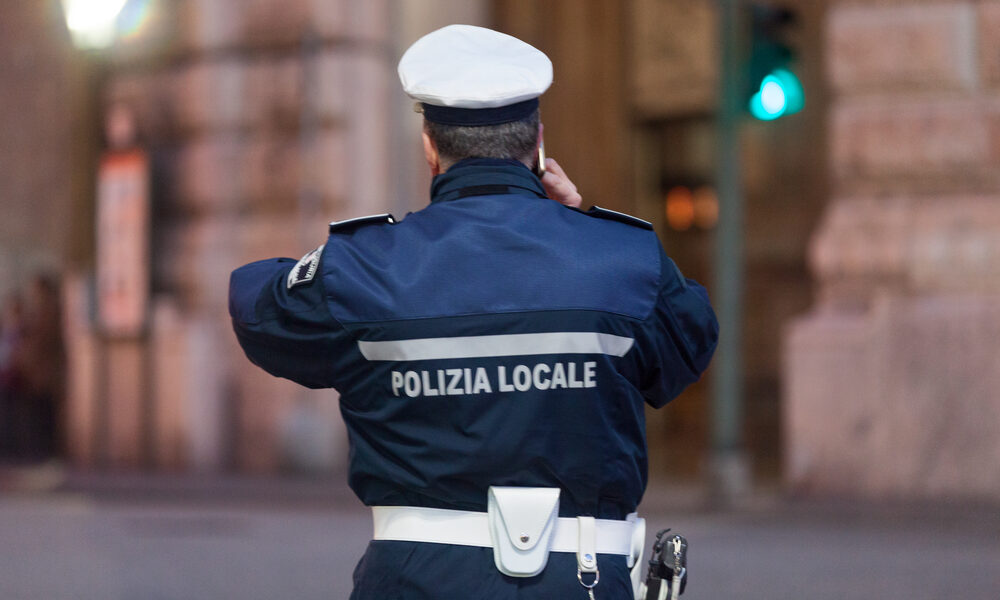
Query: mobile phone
(540, 165)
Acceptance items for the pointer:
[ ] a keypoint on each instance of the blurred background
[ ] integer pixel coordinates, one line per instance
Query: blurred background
(829, 169)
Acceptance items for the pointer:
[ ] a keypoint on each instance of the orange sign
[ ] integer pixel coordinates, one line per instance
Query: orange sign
(123, 215)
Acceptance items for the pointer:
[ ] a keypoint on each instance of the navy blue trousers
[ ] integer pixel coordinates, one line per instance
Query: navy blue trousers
(392, 570)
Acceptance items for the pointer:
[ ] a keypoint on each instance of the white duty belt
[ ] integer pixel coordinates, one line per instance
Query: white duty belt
(522, 525)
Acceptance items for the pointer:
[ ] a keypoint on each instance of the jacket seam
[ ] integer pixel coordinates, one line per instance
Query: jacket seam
(487, 314)
(659, 281)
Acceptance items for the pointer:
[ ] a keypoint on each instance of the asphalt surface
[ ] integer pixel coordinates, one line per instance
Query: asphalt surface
(135, 538)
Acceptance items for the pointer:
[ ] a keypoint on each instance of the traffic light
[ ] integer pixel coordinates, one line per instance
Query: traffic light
(774, 89)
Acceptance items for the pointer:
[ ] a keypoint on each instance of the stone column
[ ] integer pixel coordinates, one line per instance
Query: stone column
(266, 120)
(892, 381)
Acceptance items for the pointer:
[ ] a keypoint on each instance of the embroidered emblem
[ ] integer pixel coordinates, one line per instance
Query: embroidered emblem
(305, 269)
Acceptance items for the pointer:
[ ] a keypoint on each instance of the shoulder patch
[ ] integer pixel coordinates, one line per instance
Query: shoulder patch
(613, 215)
(346, 225)
(305, 270)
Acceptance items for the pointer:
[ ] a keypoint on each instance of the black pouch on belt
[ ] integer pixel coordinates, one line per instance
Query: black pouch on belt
(669, 561)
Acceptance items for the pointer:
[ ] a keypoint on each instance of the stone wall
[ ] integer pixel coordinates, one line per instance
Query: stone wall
(891, 382)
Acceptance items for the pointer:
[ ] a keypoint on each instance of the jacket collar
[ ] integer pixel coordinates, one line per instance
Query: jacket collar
(483, 177)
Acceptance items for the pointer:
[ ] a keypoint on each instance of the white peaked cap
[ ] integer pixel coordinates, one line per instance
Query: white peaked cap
(474, 68)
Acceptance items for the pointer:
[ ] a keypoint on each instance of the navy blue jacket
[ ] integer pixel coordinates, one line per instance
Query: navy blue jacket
(495, 337)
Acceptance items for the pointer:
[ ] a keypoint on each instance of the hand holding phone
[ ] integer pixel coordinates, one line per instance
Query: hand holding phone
(557, 185)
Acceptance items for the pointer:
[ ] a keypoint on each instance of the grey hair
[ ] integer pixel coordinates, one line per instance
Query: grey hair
(516, 140)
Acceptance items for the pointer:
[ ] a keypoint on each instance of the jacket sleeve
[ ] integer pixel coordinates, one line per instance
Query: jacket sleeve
(675, 343)
(287, 331)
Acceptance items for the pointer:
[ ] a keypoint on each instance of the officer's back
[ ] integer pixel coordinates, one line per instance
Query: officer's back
(497, 265)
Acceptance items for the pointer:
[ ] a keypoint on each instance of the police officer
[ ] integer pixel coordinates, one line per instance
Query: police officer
(493, 351)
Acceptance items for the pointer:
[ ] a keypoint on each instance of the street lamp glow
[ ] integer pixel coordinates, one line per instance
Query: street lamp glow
(92, 22)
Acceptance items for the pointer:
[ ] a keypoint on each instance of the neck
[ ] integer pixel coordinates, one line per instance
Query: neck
(478, 176)
(446, 164)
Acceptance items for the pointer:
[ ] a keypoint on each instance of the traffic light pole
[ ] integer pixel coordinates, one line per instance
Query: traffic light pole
(730, 473)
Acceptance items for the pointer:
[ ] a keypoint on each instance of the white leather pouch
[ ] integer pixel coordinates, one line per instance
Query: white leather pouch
(522, 521)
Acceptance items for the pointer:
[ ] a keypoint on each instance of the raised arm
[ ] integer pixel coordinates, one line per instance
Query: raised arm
(282, 321)
(676, 341)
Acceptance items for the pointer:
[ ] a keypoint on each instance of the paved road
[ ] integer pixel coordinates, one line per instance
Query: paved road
(155, 545)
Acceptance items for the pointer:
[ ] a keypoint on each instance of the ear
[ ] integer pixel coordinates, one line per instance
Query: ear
(431, 155)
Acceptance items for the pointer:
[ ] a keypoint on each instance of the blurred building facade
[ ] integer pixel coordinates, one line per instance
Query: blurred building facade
(871, 215)
(40, 80)
(892, 379)
(264, 121)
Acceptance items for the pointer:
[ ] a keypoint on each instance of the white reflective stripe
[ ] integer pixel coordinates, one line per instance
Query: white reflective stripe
(483, 346)
(458, 527)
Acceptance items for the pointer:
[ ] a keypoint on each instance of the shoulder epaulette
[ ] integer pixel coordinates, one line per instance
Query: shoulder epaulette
(613, 215)
(349, 224)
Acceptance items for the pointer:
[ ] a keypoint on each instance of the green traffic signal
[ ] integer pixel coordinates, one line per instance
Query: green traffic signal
(773, 89)
(780, 94)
